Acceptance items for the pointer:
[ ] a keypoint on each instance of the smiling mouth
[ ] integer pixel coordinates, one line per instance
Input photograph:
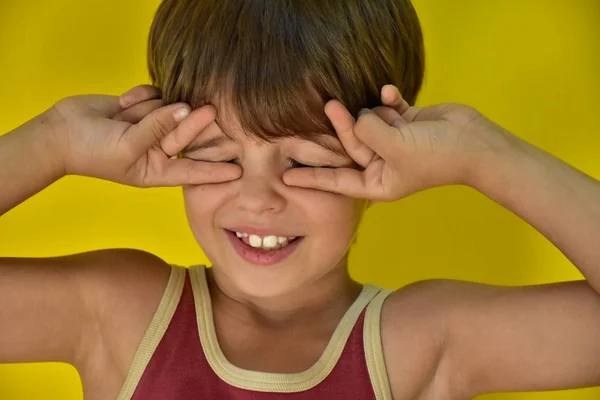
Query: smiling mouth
(265, 242)
(263, 250)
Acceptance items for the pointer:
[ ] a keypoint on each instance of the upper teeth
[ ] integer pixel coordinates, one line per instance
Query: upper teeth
(266, 242)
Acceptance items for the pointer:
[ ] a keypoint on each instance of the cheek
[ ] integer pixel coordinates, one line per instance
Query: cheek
(201, 203)
(333, 218)
(333, 215)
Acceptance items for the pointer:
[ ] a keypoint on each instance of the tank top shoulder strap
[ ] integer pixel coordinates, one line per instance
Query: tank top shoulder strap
(374, 348)
(155, 331)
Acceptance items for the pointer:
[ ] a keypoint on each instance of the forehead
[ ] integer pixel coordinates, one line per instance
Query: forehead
(219, 138)
(226, 129)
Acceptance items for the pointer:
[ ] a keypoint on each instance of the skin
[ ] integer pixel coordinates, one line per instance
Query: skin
(254, 304)
(481, 338)
(441, 339)
(326, 221)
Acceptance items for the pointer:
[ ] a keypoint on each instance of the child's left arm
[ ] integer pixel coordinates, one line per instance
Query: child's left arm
(499, 339)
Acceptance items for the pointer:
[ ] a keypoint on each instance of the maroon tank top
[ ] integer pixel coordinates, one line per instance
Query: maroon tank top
(180, 366)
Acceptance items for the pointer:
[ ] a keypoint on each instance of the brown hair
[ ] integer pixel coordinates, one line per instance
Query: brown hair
(279, 61)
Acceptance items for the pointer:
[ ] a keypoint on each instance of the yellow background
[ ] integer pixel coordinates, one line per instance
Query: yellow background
(533, 66)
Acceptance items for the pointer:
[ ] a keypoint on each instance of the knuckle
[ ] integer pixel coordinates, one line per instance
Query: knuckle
(327, 178)
(58, 112)
(337, 181)
(158, 126)
(65, 107)
(200, 172)
(206, 171)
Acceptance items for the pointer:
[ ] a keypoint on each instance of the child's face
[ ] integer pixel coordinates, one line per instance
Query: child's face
(326, 223)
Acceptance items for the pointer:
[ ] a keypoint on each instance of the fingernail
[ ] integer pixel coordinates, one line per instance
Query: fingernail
(363, 111)
(180, 113)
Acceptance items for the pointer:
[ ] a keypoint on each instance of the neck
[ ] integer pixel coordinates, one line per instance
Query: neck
(328, 296)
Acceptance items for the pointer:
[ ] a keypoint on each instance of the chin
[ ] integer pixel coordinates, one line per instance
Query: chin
(261, 281)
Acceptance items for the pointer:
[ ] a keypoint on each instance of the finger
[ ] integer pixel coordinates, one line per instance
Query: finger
(155, 126)
(376, 133)
(188, 130)
(346, 181)
(189, 172)
(391, 97)
(343, 123)
(138, 95)
(136, 113)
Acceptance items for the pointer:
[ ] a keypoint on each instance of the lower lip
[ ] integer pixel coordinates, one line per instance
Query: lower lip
(260, 256)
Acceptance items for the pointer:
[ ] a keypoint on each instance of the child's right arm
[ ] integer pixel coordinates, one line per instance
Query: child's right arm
(66, 308)
(97, 136)
(28, 162)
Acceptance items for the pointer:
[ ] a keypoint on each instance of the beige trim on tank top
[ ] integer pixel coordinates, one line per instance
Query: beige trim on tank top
(266, 381)
(374, 348)
(155, 331)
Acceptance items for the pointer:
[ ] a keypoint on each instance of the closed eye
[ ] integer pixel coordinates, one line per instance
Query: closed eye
(204, 159)
(296, 164)
(291, 162)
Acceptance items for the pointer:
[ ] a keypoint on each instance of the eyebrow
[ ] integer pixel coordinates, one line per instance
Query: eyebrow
(215, 142)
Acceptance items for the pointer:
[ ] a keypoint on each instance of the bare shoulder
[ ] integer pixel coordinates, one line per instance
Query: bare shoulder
(456, 340)
(414, 326)
(123, 288)
(89, 309)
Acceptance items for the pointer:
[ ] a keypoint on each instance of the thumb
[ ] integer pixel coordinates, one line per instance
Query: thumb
(156, 125)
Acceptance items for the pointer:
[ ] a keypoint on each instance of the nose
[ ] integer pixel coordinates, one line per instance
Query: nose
(258, 195)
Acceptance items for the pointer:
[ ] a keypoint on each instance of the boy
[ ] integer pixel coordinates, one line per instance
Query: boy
(274, 190)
